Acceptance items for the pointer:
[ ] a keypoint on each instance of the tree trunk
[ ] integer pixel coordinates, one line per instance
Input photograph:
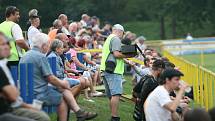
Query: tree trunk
(174, 28)
(162, 28)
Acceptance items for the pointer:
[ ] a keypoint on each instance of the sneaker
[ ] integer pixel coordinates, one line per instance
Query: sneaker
(96, 94)
(89, 100)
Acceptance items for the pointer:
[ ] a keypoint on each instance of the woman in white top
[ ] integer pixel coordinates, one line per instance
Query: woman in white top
(35, 23)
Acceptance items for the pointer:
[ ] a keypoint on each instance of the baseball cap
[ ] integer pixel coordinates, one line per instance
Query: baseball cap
(119, 27)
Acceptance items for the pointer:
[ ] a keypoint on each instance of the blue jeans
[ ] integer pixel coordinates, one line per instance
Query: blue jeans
(113, 84)
(72, 82)
(51, 97)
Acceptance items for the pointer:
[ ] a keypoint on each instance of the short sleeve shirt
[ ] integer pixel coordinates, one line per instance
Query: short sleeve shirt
(59, 66)
(17, 35)
(41, 69)
(115, 44)
(32, 31)
(154, 105)
(17, 32)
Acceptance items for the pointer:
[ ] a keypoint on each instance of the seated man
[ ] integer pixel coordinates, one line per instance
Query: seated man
(18, 107)
(158, 105)
(59, 94)
(8, 94)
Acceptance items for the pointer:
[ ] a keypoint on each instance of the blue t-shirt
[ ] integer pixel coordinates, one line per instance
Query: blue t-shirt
(41, 70)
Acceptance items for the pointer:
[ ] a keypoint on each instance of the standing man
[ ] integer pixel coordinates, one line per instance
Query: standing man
(64, 20)
(113, 80)
(13, 31)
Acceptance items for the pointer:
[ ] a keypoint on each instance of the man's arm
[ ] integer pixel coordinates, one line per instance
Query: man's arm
(56, 82)
(78, 63)
(22, 44)
(118, 54)
(18, 36)
(10, 92)
(115, 47)
(175, 103)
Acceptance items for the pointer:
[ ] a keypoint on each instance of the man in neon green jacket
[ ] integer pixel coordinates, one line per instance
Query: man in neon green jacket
(14, 33)
(113, 75)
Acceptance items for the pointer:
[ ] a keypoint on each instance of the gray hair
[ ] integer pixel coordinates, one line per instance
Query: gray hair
(39, 40)
(56, 22)
(56, 44)
(61, 16)
(84, 15)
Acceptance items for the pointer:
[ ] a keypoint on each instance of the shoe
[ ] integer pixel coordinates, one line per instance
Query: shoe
(115, 118)
(96, 94)
(89, 100)
(86, 116)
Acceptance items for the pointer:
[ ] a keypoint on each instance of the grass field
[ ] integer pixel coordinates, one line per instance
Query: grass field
(209, 60)
(101, 106)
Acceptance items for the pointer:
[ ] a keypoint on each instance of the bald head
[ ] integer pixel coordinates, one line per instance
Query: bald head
(85, 17)
(62, 36)
(57, 24)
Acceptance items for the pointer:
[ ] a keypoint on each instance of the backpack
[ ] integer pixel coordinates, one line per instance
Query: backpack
(141, 91)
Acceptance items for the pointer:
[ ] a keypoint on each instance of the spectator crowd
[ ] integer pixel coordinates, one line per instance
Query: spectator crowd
(159, 93)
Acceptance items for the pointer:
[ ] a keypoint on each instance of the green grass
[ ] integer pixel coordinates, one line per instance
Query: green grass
(101, 106)
(209, 60)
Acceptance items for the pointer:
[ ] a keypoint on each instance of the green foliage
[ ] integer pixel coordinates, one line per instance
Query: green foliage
(178, 14)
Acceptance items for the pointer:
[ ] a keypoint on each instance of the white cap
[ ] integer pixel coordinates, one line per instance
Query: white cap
(33, 12)
(119, 27)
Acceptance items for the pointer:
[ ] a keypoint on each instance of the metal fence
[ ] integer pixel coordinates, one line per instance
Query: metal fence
(200, 78)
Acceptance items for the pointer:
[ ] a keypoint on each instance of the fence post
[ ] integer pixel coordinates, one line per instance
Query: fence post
(53, 64)
(22, 70)
(68, 56)
(14, 73)
(202, 57)
(30, 82)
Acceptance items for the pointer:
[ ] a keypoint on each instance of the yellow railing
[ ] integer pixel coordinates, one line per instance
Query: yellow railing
(202, 80)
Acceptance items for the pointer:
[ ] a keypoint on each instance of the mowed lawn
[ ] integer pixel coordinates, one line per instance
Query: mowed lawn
(101, 106)
(209, 60)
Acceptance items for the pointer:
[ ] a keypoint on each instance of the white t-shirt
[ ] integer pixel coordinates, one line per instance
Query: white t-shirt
(32, 31)
(84, 24)
(189, 37)
(154, 105)
(65, 31)
(17, 35)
